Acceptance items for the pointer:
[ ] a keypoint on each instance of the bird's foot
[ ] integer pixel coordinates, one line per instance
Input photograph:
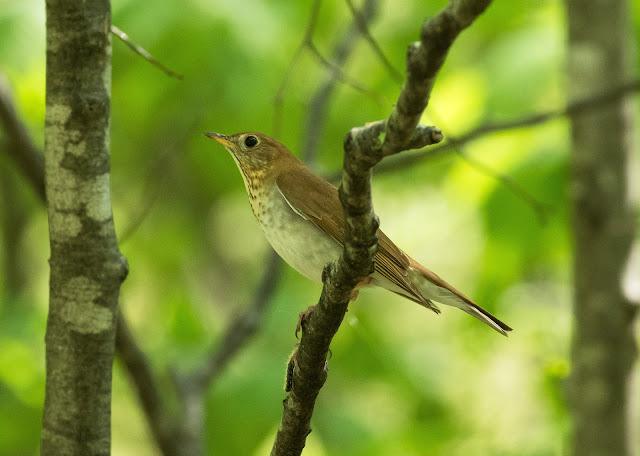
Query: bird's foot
(301, 316)
(356, 290)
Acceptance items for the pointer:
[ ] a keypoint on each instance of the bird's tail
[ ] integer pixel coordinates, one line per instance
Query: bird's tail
(485, 317)
(432, 287)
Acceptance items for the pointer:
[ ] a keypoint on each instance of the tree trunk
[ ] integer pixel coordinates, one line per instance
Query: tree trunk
(87, 268)
(603, 350)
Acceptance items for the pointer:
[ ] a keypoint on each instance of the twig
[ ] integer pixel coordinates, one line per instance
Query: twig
(362, 22)
(364, 147)
(541, 209)
(242, 328)
(278, 99)
(335, 68)
(162, 423)
(340, 75)
(319, 102)
(21, 148)
(143, 53)
(586, 104)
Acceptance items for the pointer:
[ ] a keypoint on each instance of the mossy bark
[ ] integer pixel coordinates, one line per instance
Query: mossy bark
(87, 267)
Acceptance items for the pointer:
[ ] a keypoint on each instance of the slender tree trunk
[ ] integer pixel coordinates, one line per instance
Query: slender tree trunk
(87, 268)
(603, 349)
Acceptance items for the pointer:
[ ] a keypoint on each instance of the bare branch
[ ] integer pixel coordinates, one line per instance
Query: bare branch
(319, 102)
(334, 68)
(362, 23)
(340, 75)
(242, 328)
(541, 209)
(278, 99)
(143, 53)
(584, 105)
(424, 59)
(162, 423)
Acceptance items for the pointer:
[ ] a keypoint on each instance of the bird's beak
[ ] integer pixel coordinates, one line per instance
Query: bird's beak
(222, 139)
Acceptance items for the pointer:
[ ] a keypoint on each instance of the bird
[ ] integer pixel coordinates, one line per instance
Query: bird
(301, 216)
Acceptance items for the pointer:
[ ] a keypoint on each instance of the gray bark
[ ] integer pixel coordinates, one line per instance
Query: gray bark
(87, 268)
(603, 350)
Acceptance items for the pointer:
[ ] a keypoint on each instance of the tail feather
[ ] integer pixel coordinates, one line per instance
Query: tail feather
(485, 317)
(433, 287)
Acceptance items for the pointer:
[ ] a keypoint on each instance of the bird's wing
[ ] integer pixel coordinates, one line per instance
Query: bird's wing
(322, 207)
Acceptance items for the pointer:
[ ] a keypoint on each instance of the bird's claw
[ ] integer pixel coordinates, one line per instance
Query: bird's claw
(356, 291)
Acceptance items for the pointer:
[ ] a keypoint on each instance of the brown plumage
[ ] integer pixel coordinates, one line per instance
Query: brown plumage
(301, 216)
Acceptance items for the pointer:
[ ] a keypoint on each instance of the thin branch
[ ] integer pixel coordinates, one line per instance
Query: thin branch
(242, 328)
(21, 148)
(364, 147)
(340, 75)
(580, 106)
(541, 209)
(362, 22)
(143, 53)
(424, 59)
(334, 68)
(162, 423)
(278, 99)
(320, 101)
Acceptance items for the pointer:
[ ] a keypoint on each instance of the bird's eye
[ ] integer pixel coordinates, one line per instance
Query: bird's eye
(250, 141)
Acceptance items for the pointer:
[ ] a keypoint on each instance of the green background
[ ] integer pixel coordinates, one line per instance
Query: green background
(402, 381)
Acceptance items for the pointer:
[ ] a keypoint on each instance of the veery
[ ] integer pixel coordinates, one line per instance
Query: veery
(301, 216)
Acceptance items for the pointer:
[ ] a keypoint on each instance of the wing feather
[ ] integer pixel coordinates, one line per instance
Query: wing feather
(321, 205)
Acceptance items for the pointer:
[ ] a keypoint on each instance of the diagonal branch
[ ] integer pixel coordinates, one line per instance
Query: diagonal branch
(143, 53)
(589, 103)
(320, 100)
(362, 23)
(242, 328)
(541, 209)
(152, 400)
(333, 67)
(424, 59)
(364, 147)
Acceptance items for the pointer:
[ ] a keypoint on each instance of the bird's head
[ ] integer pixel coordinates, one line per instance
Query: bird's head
(254, 153)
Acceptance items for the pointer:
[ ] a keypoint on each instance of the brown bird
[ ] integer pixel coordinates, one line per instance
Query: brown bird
(301, 216)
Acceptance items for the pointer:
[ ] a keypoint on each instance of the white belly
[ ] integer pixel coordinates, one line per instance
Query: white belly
(304, 246)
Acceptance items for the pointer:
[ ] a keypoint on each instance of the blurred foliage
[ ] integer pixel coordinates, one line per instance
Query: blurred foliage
(402, 381)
